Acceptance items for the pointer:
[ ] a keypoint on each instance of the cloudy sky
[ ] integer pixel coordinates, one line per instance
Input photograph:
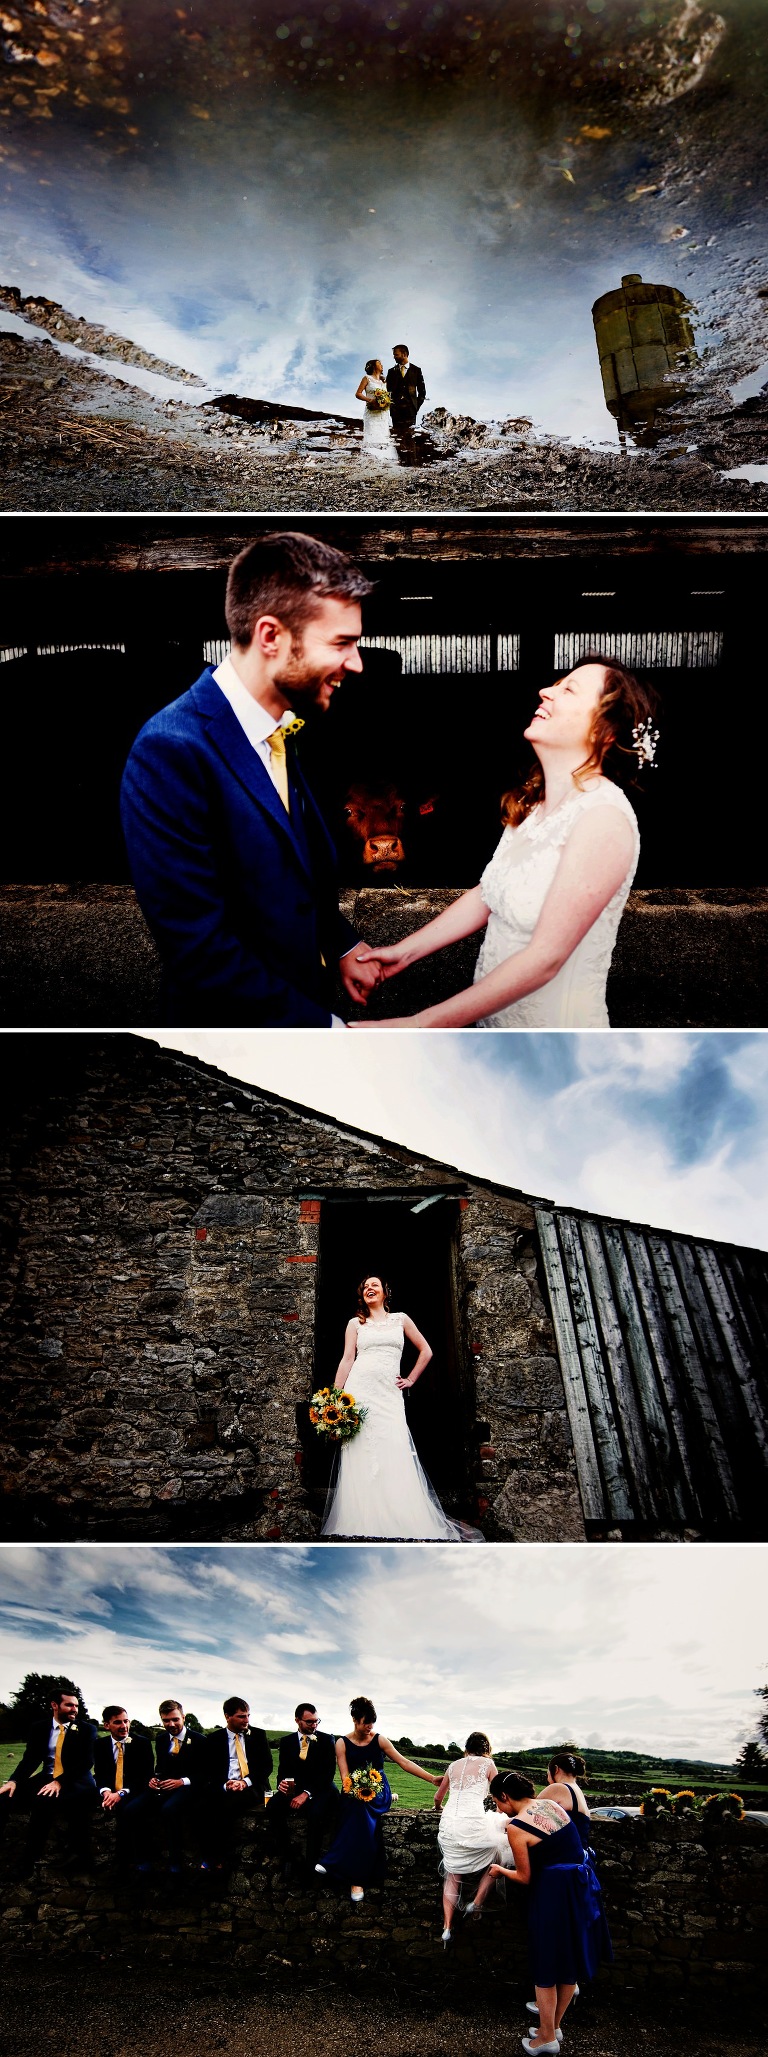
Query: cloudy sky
(642, 1647)
(659, 1126)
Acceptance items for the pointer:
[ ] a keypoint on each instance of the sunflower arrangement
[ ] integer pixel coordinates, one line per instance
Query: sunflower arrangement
(657, 1801)
(365, 1784)
(379, 402)
(336, 1414)
(723, 1807)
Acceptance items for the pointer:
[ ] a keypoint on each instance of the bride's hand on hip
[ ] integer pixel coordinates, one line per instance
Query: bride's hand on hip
(404, 1383)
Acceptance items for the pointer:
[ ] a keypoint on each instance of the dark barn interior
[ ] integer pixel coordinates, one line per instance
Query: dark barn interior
(103, 627)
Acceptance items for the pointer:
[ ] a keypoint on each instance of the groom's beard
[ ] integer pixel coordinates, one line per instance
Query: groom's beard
(308, 692)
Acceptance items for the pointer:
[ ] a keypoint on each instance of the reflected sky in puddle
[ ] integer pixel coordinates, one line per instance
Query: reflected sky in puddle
(269, 227)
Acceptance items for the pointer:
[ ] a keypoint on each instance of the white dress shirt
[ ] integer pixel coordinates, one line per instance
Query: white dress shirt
(125, 1789)
(257, 725)
(180, 1738)
(234, 1768)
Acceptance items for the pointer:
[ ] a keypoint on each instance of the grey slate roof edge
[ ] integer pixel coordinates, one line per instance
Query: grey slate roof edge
(461, 1179)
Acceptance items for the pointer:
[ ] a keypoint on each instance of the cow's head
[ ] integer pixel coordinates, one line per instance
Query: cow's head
(375, 818)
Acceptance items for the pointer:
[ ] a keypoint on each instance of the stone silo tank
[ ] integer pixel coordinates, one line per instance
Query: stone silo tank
(644, 337)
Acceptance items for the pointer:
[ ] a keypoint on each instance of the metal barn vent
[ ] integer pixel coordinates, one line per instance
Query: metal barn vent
(435, 653)
(73, 649)
(508, 652)
(662, 1341)
(215, 653)
(648, 649)
(9, 652)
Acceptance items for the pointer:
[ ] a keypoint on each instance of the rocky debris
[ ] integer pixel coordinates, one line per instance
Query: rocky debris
(63, 327)
(270, 411)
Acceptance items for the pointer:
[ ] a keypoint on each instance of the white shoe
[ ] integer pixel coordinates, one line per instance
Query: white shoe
(446, 1936)
(357, 1894)
(552, 2048)
(476, 1912)
(322, 1870)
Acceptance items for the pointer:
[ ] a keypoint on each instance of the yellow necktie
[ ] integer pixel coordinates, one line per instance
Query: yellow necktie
(58, 1763)
(175, 1746)
(303, 1748)
(279, 766)
(241, 1756)
(120, 1748)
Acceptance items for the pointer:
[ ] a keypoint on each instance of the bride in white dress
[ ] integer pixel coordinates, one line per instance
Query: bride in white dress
(551, 898)
(378, 1487)
(378, 441)
(469, 1838)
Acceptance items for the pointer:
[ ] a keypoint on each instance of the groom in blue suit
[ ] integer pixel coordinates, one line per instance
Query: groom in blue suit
(232, 863)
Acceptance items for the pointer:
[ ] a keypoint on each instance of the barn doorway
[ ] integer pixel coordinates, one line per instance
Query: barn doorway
(410, 1240)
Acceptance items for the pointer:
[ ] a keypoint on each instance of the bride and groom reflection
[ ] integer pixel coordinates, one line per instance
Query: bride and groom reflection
(379, 1488)
(391, 408)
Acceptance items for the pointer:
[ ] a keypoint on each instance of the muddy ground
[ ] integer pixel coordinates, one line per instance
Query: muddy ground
(73, 438)
(104, 2016)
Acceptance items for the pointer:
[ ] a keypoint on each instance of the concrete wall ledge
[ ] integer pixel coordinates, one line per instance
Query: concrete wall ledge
(76, 956)
(687, 1907)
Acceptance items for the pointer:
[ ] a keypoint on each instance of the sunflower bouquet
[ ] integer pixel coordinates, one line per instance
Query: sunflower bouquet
(379, 401)
(364, 1784)
(336, 1414)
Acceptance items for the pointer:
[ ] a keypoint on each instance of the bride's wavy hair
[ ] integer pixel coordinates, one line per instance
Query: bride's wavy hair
(362, 1311)
(624, 704)
(477, 1745)
(371, 365)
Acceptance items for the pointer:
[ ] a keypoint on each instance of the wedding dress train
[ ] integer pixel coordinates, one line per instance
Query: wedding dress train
(379, 1487)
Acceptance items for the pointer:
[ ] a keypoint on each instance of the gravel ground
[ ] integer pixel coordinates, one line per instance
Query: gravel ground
(73, 438)
(117, 2018)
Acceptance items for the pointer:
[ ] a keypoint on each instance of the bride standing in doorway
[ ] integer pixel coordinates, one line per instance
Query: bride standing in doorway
(379, 1487)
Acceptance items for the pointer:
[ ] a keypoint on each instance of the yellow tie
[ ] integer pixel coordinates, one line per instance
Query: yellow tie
(58, 1763)
(120, 1748)
(303, 1748)
(175, 1746)
(279, 766)
(241, 1756)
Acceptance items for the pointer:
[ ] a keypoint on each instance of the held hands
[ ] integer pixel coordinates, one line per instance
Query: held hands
(360, 974)
(389, 960)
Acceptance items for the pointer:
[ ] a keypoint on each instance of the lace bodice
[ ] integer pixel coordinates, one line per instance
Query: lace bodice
(380, 1336)
(514, 887)
(468, 1781)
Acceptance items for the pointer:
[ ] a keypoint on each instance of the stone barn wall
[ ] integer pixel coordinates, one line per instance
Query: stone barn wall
(161, 1232)
(687, 1909)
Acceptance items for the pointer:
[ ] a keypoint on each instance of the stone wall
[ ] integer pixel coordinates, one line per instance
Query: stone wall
(79, 954)
(687, 1909)
(161, 1228)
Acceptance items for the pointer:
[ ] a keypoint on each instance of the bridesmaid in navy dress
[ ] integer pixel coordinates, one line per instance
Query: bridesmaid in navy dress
(567, 1930)
(357, 1856)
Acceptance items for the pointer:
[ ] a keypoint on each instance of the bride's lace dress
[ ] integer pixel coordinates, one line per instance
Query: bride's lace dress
(378, 441)
(470, 1838)
(515, 885)
(379, 1487)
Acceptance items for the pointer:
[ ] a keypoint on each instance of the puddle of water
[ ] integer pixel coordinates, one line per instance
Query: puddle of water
(757, 474)
(752, 386)
(271, 198)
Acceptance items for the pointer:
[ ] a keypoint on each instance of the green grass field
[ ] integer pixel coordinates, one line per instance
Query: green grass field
(603, 1787)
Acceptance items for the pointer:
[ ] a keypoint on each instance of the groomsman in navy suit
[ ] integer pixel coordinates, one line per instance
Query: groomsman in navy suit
(122, 1767)
(175, 1789)
(232, 862)
(238, 1770)
(64, 1789)
(306, 1769)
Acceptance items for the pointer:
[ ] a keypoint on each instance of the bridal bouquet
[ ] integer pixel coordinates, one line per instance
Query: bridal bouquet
(336, 1414)
(365, 1784)
(379, 401)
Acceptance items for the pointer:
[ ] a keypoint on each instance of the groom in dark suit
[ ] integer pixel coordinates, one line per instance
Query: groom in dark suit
(306, 1768)
(405, 385)
(238, 1770)
(54, 1781)
(122, 1767)
(174, 1792)
(232, 863)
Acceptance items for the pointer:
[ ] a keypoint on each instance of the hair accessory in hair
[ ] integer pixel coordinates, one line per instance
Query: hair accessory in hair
(645, 738)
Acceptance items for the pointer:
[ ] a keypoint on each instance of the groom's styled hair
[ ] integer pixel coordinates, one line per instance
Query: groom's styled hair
(287, 575)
